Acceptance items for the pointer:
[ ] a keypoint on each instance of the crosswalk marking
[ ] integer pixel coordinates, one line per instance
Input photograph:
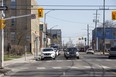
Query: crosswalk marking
(71, 67)
(41, 67)
(106, 67)
(86, 66)
(77, 60)
(57, 67)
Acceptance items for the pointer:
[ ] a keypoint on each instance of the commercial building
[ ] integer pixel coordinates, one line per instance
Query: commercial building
(97, 38)
(55, 35)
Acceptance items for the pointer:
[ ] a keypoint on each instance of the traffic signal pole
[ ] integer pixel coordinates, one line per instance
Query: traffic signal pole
(2, 43)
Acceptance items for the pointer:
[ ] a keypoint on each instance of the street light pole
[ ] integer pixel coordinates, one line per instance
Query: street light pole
(2, 43)
(103, 26)
(45, 25)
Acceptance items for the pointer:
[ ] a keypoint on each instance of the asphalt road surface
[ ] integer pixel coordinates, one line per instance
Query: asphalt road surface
(87, 66)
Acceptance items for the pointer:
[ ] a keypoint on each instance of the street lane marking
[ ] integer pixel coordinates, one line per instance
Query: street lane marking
(41, 68)
(73, 67)
(86, 66)
(106, 67)
(57, 67)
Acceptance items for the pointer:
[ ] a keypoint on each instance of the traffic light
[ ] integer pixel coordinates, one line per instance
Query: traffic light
(40, 12)
(113, 15)
(79, 39)
(2, 23)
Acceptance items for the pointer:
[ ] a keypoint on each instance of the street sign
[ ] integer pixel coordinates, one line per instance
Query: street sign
(113, 15)
(33, 16)
(3, 8)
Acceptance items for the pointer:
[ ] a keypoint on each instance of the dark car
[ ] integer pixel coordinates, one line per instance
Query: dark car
(71, 52)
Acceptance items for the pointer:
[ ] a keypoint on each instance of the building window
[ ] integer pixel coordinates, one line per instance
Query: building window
(13, 4)
(12, 36)
(13, 21)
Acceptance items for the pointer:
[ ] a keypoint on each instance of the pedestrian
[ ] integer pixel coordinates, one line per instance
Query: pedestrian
(8, 49)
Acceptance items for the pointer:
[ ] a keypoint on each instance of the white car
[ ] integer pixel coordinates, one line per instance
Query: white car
(48, 53)
(90, 51)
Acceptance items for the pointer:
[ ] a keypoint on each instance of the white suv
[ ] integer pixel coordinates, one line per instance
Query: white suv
(48, 53)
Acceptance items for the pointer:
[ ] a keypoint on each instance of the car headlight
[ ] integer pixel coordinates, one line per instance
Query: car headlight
(67, 52)
(77, 53)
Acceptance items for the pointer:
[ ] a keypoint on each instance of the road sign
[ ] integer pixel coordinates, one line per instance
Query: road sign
(113, 15)
(3, 8)
(33, 16)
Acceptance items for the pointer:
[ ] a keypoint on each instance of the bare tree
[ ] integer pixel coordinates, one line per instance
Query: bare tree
(108, 24)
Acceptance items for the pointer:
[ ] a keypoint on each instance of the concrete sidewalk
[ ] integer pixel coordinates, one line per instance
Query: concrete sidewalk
(23, 59)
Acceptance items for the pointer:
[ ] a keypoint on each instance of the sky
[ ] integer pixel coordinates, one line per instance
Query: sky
(73, 23)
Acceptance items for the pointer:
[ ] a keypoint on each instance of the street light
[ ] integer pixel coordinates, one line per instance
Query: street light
(45, 23)
(45, 16)
(51, 32)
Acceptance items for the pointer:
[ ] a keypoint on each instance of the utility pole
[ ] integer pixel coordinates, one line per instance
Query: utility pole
(96, 38)
(103, 26)
(88, 34)
(2, 42)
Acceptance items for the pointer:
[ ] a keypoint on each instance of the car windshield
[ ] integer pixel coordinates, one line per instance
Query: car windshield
(71, 49)
(89, 49)
(46, 50)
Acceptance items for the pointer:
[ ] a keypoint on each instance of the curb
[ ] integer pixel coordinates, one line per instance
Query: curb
(4, 72)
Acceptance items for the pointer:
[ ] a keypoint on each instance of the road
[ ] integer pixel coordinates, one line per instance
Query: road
(87, 66)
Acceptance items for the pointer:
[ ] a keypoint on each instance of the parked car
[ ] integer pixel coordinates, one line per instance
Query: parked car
(56, 48)
(71, 52)
(48, 53)
(90, 51)
(112, 52)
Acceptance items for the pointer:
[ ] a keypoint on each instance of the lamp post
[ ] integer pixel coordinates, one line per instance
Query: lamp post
(45, 25)
(51, 32)
(2, 41)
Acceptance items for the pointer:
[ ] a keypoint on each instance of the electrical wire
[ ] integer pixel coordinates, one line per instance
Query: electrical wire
(56, 5)
(67, 20)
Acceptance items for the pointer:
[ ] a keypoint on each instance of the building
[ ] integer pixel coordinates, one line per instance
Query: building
(97, 38)
(43, 39)
(22, 32)
(55, 35)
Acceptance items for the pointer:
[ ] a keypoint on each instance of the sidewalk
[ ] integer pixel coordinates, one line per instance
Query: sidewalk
(19, 60)
(23, 59)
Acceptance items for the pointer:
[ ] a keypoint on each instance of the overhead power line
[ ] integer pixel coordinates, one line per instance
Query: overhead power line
(66, 20)
(70, 5)
(61, 9)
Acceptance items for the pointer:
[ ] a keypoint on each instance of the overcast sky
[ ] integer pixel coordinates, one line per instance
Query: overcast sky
(73, 23)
